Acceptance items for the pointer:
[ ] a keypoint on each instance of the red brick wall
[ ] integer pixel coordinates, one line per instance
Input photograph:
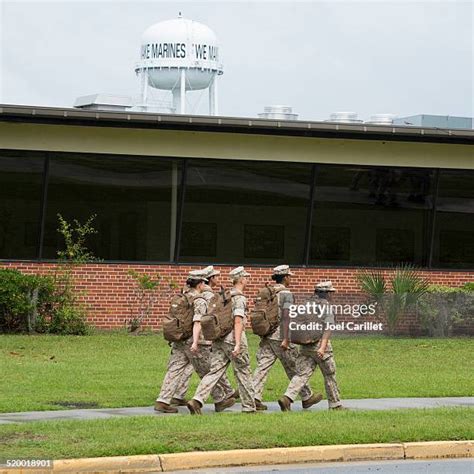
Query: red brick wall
(108, 287)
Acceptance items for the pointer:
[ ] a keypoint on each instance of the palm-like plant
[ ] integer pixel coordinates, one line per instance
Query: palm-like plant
(372, 283)
(406, 288)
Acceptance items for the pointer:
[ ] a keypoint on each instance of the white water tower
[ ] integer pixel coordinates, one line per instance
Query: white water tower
(180, 55)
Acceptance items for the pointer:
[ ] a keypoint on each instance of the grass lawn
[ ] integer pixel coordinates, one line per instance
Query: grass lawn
(153, 435)
(115, 370)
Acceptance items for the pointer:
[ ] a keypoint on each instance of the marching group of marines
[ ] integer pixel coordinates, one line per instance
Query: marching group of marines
(211, 358)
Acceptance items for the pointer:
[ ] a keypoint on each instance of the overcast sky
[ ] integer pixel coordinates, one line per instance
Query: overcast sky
(401, 57)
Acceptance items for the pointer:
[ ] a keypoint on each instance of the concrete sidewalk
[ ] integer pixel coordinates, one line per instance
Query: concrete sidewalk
(362, 404)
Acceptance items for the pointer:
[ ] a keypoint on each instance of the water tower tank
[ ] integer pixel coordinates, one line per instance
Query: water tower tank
(180, 55)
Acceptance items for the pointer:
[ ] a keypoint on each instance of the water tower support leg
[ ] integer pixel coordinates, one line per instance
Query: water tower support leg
(144, 81)
(211, 97)
(176, 99)
(214, 92)
(213, 106)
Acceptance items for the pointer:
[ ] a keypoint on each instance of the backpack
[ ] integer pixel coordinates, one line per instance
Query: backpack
(310, 334)
(218, 321)
(178, 324)
(264, 318)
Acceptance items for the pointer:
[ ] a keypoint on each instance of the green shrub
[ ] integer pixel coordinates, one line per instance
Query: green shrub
(146, 291)
(394, 300)
(14, 303)
(69, 320)
(69, 315)
(48, 304)
(144, 297)
(24, 299)
(443, 308)
(37, 303)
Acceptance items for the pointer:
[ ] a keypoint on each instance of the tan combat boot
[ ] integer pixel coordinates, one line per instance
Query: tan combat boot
(165, 408)
(194, 407)
(315, 398)
(178, 402)
(227, 403)
(260, 406)
(285, 403)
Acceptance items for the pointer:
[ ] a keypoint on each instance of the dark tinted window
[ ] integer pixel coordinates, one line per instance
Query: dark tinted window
(245, 212)
(370, 216)
(21, 176)
(238, 211)
(454, 230)
(134, 198)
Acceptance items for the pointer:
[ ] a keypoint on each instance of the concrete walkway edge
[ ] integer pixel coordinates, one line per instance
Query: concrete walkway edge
(357, 404)
(255, 457)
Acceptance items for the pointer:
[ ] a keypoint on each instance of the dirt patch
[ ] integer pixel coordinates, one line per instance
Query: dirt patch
(12, 438)
(75, 404)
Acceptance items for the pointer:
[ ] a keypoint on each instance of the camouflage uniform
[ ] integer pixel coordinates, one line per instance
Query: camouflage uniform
(306, 365)
(183, 386)
(270, 350)
(184, 382)
(308, 361)
(181, 356)
(222, 357)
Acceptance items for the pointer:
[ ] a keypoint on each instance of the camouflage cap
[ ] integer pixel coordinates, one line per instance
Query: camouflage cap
(325, 286)
(210, 271)
(198, 275)
(238, 272)
(282, 270)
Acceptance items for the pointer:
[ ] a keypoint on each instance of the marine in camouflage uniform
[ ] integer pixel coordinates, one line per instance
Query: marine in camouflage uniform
(231, 349)
(179, 398)
(199, 355)
(270, 348)
(309, 359)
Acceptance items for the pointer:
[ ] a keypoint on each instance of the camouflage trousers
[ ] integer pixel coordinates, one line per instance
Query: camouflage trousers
(306, 365)
(178, 367)
(184, 382)
(221, 358)
(268, 352)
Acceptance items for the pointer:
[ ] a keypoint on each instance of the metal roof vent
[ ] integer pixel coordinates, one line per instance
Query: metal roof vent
(344, 117)
(106, 102)
(278, 112)
(381, 119)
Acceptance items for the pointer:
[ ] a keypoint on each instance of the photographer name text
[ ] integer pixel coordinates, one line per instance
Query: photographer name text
(343, 326)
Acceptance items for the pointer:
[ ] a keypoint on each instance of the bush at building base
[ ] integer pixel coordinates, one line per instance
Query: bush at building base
(35, 303)
(443, 309)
